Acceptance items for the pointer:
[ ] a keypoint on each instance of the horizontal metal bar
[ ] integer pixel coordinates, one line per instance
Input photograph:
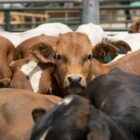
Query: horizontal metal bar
(38, 9)
(37, 1)
(114, 7)
(111, 7)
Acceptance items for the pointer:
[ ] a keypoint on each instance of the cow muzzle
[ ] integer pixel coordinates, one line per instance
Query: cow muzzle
(74, 84)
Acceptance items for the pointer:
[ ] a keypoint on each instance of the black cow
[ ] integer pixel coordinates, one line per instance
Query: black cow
(74, 118)
(116, 93)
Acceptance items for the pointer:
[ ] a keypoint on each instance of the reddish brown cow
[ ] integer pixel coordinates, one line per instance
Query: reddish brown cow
(16, 107)
(73, 53)
(7, 54)
(31, 74)
(134, 27)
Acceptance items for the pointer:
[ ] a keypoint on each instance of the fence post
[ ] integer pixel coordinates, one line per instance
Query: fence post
(91, 11)
(7, 20)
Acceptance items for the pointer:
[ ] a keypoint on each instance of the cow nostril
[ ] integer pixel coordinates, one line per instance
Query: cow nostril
(74, 79)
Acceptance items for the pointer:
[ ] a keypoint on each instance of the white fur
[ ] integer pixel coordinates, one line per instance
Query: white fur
(44, 135)
(65, 101)
(94, 32)
(52, 29)
(33, 71)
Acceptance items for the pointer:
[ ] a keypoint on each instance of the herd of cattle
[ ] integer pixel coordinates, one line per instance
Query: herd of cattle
(97, 75)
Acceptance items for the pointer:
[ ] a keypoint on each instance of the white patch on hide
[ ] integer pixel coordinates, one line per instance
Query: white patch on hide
(33, 71)
(66, 101)
(44, 135)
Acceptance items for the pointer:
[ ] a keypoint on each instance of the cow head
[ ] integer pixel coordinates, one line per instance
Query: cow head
(134, 27)
(65, 121)
(74, 118)
(106, 51)
(72, 56)
(30, 74)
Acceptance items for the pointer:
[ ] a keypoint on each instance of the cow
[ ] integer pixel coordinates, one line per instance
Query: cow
(134, 27)
(7, 55)
(74, 118)
(51, 29)
(75, 65)
(106, 50)
(72, 56)
(94, 32)
(16, 107)
(30, 74)
(117, 93)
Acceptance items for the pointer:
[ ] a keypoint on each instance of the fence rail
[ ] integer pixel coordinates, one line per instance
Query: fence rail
(37, 1)
(73, 21)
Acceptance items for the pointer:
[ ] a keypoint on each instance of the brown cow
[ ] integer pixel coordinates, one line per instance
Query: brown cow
(31, 74)
(134, 27)
(74, 68)
(72, 56)
(16, 107)
(106, 51)
(7, 55)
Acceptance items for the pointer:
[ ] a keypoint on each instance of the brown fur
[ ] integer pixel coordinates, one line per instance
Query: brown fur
(110, 48)
(7, 55)
(73, 52)
(16, 107)
(129, 63)
(134, 27)
(19, 80)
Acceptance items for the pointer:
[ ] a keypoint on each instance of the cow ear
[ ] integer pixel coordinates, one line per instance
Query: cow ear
(38, 113)
(134, 27)
(43, 52)
(121, 47)
(104, 52)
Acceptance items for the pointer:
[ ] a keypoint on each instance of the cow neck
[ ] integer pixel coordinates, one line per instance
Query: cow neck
(99, 68)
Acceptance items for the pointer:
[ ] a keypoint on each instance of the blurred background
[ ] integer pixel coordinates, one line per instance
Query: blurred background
(19, 15)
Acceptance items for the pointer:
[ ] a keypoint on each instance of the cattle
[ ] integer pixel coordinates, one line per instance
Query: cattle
(129, 63)
(16, 107)
(74, 118)
(7, 55)
(93, 31)
(75, 66)
(51, 29)
(30, 74)
(117, 94)
(106, 51)
(134, 27)
(72, 57)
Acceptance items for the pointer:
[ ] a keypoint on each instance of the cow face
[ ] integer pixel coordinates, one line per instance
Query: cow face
(73, 60)
(72, 57)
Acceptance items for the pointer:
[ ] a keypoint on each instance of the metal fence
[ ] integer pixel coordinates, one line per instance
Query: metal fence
(112, 15)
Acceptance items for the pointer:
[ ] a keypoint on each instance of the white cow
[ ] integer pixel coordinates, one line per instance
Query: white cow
(94, 32)
(52, 29)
